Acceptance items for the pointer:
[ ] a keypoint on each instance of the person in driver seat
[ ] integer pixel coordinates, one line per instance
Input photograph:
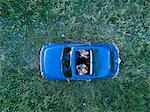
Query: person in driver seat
(82, 69)
(84, 53)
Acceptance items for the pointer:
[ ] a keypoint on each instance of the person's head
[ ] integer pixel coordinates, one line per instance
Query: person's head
(84, 52)
(82, 69)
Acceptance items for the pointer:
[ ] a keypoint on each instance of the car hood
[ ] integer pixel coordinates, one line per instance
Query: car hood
(52, 62)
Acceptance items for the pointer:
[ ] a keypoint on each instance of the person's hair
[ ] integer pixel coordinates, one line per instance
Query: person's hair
(80, 68)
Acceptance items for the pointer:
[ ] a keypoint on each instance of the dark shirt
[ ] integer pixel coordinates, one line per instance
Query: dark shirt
(81, 60)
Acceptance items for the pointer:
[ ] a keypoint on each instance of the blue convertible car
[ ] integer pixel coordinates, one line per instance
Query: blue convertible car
(61, 61)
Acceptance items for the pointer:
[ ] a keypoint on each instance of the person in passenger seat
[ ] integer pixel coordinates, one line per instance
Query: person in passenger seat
(82, 69)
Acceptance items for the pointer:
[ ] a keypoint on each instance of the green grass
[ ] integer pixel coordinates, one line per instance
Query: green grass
(28, 24)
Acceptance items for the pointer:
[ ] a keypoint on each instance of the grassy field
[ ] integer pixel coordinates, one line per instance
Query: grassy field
(25, 25)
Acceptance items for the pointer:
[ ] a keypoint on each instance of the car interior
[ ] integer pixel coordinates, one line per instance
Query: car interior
(86, 60)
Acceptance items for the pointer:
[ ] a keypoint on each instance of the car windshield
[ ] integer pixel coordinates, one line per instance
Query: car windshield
(66, 61)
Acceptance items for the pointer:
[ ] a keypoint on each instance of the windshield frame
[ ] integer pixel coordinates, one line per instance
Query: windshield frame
(91, 62)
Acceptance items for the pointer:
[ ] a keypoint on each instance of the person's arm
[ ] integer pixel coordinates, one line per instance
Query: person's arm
(67, 40)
